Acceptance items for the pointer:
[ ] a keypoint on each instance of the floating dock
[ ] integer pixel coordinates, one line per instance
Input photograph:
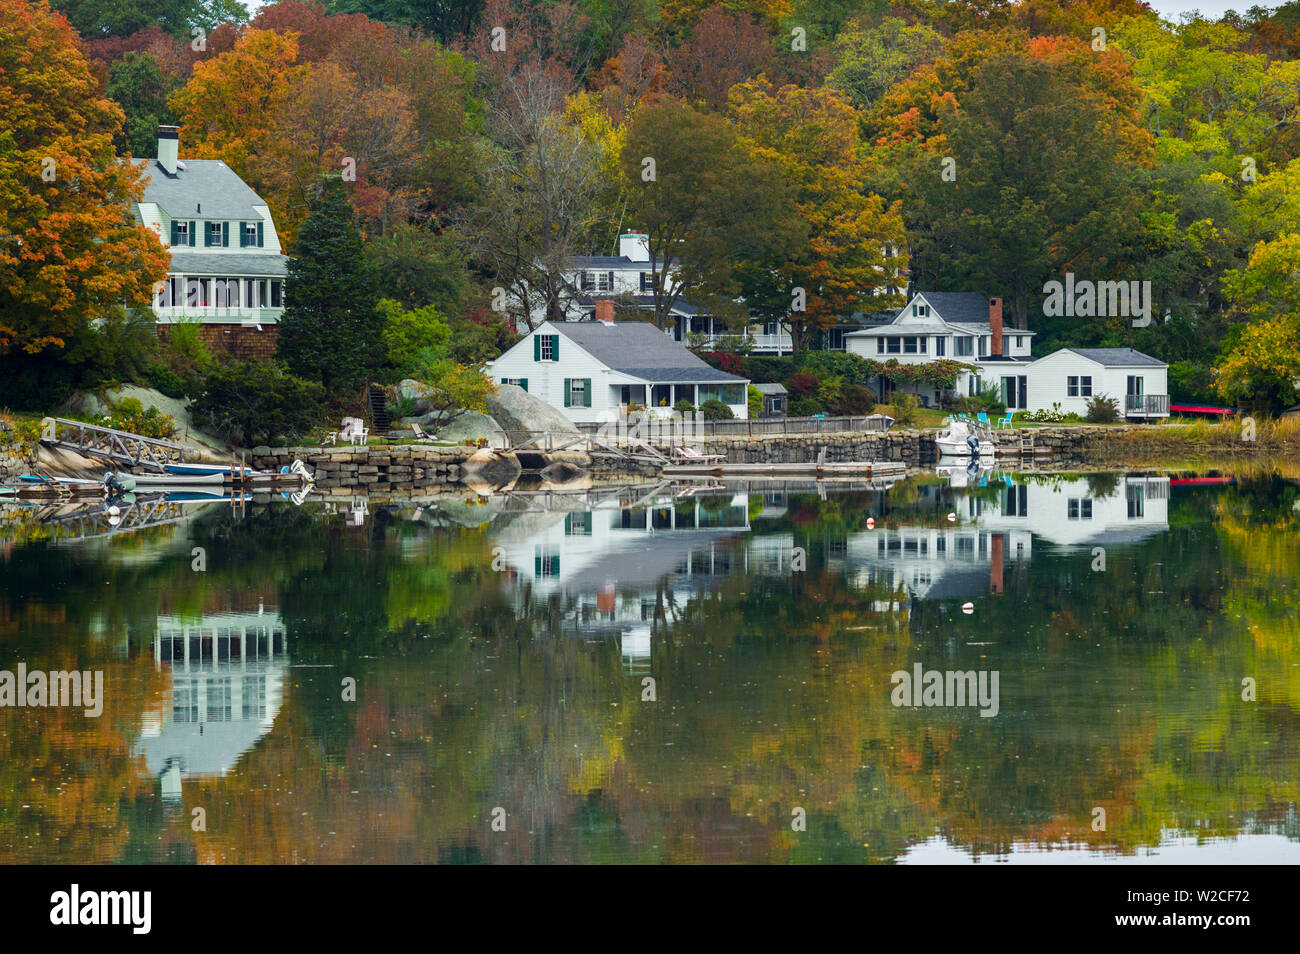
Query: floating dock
(810, 468)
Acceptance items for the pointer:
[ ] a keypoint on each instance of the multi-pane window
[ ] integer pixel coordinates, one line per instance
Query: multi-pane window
(965, 346)
(517, 382)
(250, 234)
(1078, 386)
(1079, 508)
(577, 392)
(940, 346)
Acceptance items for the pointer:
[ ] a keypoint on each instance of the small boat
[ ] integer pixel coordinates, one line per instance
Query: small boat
(211, 470)
(139, 481)
(958, 439)
(43, 479)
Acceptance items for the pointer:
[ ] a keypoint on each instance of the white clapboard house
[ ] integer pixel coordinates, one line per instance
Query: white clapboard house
(966, 327)
(226, 267)
(595, 371)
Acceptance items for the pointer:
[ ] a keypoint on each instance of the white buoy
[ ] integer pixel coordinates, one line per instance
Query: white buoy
(114, 510)
(952, 518)
(871, 523)
(114, 521)
(968, 608)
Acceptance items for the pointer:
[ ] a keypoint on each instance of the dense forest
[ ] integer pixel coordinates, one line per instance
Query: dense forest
(845, 147)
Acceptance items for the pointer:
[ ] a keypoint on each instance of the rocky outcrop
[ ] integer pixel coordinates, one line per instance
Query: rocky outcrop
(517, 410)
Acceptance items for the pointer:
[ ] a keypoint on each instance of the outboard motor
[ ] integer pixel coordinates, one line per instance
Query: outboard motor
(973, 443)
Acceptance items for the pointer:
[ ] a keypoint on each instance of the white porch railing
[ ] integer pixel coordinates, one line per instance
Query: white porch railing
(1146, 404)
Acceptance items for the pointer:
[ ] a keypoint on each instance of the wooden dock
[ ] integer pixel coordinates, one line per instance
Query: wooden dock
(808, 469)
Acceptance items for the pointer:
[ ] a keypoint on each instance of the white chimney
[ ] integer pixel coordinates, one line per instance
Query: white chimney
(634, 246)
(169, 144)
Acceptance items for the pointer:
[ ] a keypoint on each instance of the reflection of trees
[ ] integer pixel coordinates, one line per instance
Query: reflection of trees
(1118, 690)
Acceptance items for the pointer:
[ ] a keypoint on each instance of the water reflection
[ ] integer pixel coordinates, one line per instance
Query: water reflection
(500, 646)
(226, 673)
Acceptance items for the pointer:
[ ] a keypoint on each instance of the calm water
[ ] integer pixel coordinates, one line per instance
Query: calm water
(505, 651)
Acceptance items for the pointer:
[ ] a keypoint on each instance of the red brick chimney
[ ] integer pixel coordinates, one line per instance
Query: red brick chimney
(995, 327)
(605, 311)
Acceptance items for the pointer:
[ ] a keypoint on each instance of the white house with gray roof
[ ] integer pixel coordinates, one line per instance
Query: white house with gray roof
(226, 263)
(966, 327)
(593, 371)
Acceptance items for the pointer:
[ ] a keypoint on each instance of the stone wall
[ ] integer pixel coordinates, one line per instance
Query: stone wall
(239, 341)
(405, 469)
(380, 470)
(914, 448)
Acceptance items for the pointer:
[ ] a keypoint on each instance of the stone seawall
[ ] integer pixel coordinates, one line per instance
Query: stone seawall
(377, 469)
(403, 469)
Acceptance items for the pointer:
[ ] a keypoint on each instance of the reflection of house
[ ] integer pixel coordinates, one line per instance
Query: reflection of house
(618, 570)
(968, 558)
(227, 684)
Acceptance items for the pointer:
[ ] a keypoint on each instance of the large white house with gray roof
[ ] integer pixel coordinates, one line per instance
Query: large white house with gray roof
(595, 371)
(966, 327)
(226, 263)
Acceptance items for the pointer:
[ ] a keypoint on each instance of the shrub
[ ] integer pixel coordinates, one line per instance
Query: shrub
(728, 361)
(255, 402)
(1054, 415)
(853, 400)
(684, 407)
(133, 417)
(903, 405)
(715, 410)
(1102, 409)
(454, 389)
(804, 407)
(801, 385)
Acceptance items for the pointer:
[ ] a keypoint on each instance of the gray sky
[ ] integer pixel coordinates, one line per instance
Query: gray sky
(1210, 9)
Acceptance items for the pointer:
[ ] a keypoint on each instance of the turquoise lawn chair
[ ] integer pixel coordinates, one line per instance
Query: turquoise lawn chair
(1006, 420)
(984, 418)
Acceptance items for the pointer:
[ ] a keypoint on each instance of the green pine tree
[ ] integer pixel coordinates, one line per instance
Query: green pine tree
(331, 330)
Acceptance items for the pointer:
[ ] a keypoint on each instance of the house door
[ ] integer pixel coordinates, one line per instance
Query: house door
(1015, 392)
(1135, 385)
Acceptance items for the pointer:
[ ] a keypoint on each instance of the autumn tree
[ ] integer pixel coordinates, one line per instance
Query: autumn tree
(72, 254)
(540, 195)
(228, 105)
(723, 49)
(707, 204)
(853, 258)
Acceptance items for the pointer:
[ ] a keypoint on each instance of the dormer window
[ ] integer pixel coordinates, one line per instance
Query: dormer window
(216, 235)
(250, 235)
(920, 311)
(184, 232)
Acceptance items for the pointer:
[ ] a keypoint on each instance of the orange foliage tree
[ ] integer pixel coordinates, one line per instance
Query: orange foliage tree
(70, 252)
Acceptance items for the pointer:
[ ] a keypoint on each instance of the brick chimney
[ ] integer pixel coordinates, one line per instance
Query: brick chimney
(995, 327)
(605, 311)
(169, 144)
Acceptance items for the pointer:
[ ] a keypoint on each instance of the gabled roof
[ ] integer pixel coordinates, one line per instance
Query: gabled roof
(1117, 357)
(640, 350)
(957, 308)
(202, 189)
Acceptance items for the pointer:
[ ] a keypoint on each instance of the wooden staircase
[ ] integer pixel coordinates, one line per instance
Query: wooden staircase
(380, 422)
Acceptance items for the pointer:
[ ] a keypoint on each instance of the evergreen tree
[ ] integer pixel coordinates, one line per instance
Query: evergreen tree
(331, 329)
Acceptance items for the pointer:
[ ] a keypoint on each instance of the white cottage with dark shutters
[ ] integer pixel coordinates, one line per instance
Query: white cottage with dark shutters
(226, 262)
(596, 371)
(966, 327)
